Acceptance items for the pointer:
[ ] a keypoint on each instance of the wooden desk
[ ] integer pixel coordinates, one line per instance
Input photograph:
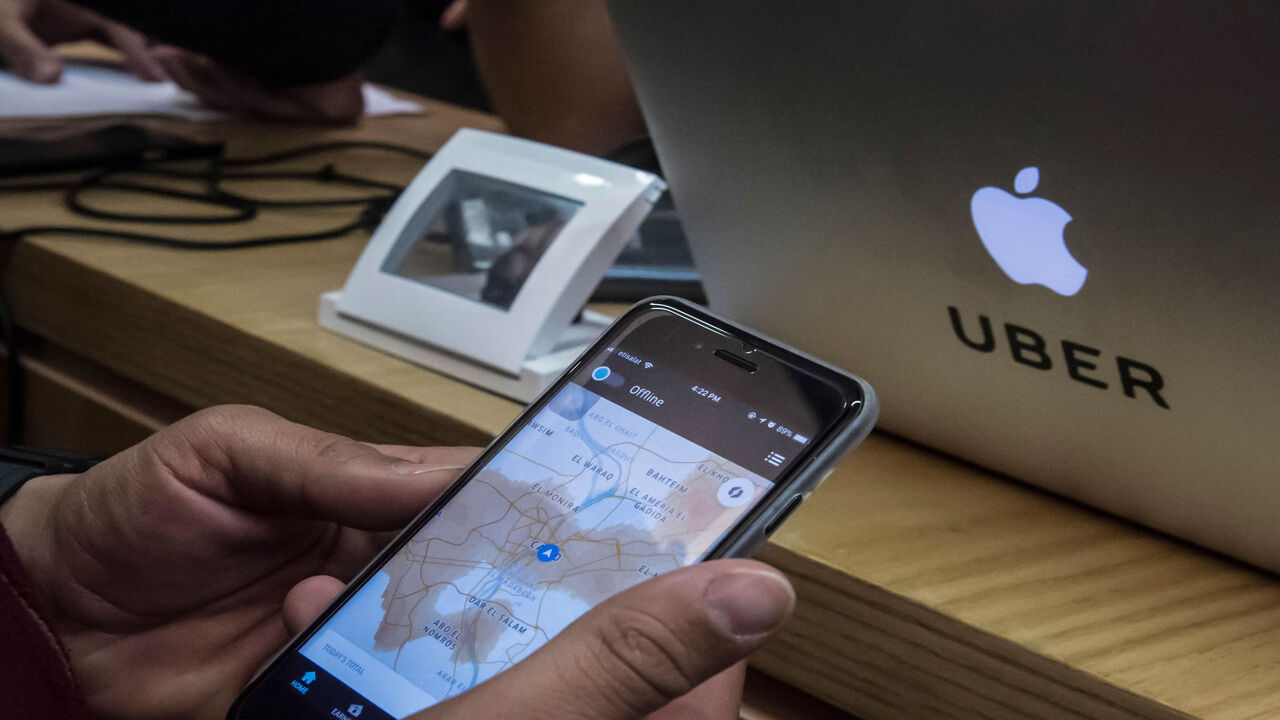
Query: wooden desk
(928, 588)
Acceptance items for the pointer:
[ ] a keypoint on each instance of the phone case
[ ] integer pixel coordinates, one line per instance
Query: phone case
(750, 535)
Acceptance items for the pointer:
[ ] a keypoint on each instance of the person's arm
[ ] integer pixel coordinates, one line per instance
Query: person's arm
(555, 72)
(37, 679)
(282, 59)
(276, 42)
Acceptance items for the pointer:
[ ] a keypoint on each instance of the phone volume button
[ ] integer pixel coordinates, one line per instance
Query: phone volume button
(782, 514)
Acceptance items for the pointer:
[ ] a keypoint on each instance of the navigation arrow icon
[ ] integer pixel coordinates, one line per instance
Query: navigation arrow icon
(548, 553)
(308, 677)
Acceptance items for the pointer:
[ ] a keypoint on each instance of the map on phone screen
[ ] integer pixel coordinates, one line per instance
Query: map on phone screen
(587, 500)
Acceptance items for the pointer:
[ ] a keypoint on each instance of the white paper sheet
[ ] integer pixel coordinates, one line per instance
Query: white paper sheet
(93, 90)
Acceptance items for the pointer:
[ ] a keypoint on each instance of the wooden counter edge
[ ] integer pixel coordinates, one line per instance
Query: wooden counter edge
(873, 652)
(59, 299)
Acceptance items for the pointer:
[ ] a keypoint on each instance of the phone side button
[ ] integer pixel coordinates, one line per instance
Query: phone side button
(782, 514)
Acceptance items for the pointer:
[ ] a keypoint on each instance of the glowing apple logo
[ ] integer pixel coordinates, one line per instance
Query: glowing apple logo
(1024, 235)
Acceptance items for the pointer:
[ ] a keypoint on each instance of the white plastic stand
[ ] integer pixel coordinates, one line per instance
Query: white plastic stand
(535, 375)
(533, 229)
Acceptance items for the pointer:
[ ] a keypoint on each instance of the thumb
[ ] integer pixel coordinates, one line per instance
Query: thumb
(640, 649)
(26, 55)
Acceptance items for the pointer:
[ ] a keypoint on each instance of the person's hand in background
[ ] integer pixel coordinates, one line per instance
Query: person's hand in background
(338, 101)
(454, 17)
(28, 29)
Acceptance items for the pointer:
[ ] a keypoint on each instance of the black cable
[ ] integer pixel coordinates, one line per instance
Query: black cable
(326, 175)
(368, 220)
(241, 207)
(327, 147)
(33, 187)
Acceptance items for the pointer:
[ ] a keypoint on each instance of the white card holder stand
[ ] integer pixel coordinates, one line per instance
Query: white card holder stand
(483, 263)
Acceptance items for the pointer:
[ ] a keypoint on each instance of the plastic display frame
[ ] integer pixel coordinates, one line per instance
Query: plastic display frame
(515, 351)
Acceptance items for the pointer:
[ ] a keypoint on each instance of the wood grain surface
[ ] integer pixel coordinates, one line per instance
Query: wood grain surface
(928, 588)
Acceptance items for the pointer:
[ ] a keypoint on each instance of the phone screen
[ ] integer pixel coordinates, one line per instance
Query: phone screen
(640, 463)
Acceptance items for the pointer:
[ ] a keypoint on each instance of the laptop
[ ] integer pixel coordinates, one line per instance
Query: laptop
(1048, 233)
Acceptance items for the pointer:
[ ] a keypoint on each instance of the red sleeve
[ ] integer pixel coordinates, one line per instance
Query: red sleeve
(35, 672)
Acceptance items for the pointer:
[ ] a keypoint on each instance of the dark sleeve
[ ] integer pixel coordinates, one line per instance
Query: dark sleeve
(279, 42)
(36, 681)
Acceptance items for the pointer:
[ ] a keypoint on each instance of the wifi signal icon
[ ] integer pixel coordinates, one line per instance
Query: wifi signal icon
(648, 365)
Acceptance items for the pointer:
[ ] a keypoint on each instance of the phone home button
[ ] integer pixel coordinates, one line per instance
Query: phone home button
(782, 514)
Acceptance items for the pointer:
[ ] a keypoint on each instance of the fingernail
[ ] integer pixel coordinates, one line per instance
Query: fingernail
(750, 602)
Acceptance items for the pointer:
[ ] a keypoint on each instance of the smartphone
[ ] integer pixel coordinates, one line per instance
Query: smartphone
(677, 437)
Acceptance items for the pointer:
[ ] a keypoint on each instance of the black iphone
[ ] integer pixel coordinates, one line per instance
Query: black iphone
(678, 437)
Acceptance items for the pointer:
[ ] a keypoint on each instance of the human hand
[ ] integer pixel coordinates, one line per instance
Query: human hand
(173, 570)
(338, 101)
(671, 646)
(29, 27)
(454, 17)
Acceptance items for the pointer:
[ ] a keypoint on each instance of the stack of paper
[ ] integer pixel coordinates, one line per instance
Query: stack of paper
(93, 90)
